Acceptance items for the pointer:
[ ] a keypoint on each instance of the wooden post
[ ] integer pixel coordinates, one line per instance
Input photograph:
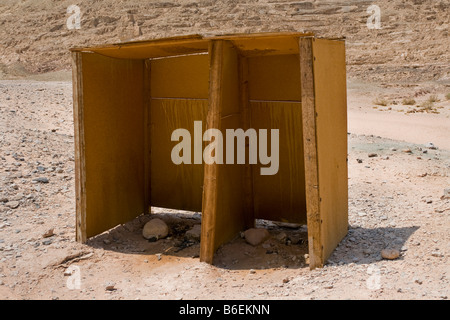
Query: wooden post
(246, 124)
(310, 153)
(211, 171)
(147, 136)
(80, 168)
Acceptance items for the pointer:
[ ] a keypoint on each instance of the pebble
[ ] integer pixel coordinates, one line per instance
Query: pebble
(372, 155)
(256, 236)
(155, 229)
(390, 254)
(359, 160)
(158, 256)
(110, 286)
(48, 233)
(407, 151)
(12, 204)
(431, 146)
(41, 180)
(437, 254)
(252, 271)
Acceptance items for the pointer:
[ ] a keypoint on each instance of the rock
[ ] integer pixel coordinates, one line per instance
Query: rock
(194, 233)
(256, 236)
(390, 254)
(407, 151)
(12, 204)
(437, 254)
(106, 241)
(41, 180)
(372, 155)
(446, 194)
(252, 271)
(47, 242)
(48, 233)
(430, 145)
(281, 237)
(4, 200)
(155, 229)
(158, 256)
(359, 160)
(110, 286)
(362, 214)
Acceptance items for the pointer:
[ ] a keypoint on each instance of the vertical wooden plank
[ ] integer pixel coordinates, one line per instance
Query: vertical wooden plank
(210, 186)
(331, 133)
(310, 153)
(80, 169)
(113, 116)
(246, 124)
(147, 135)
(223, 213)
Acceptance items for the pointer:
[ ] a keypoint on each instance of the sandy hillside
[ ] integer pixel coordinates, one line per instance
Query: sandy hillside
(399, 197)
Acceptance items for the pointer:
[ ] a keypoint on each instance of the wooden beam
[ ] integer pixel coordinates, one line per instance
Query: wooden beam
(80, 167)
(211, 171)
(310, 153)
(246, 124)
(147, 136)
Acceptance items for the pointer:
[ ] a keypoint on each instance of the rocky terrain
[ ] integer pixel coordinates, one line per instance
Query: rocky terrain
(399, 160)
(411, 45)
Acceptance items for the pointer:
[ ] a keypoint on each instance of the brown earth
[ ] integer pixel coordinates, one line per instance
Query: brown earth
(396, 199)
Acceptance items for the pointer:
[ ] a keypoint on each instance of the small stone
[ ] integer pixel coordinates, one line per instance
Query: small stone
(393, 149)
(407, 151)
(285, 280)
(155, 229)
(68, 272)
(41, 180)
(4, 200)
(194, 233)
(47, 242)
(110, 286)
(372, 155)
(256, 236)
(437, 254)
(390, 254)
(12, 204)
(106, 241)
(281, 237)
(330, 286)
(418, 281)
(252, 271)
(158, 256)
(431, 146)
(359, 160)
(446, 194)
(362, 214)
(48, 233)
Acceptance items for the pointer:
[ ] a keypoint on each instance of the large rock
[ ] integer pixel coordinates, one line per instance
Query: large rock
(194, 233)
(155, 229)
(256, 236)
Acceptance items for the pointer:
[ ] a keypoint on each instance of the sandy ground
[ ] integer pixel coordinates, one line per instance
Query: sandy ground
(395, 201)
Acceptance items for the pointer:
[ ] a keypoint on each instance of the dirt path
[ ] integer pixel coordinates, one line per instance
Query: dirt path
(394, 202)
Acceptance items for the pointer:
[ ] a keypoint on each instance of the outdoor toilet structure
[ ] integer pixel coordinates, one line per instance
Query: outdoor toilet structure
(130, 97)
